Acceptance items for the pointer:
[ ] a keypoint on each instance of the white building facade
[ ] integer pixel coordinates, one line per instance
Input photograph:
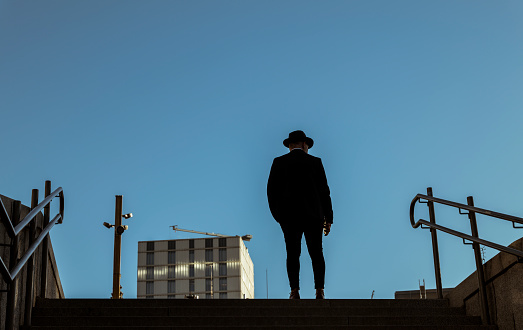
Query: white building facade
(210, 268)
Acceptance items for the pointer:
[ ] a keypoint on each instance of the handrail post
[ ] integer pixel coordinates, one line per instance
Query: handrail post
(485, 316)
(13, 260)
(45, 244)
(29, 290)
(435, 250)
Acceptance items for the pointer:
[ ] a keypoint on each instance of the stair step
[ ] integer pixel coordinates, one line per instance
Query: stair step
(313, 327)
(254, 320)
(358, 314)
(99, 303)
(245, 311)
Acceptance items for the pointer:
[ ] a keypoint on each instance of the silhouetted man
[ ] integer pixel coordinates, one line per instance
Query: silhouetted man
(299, 199)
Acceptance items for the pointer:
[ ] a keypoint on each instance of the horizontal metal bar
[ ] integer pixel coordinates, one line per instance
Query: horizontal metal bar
(33, 248)
(462, 206)
(6, 220)
(471, 238)
(35, 211)
(5, 271)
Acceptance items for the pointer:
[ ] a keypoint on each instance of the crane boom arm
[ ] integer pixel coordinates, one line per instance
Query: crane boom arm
(175, 228)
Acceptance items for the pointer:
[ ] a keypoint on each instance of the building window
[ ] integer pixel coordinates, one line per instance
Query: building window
(208, 255)
(191, 270)
(150, 273)
(171, 286)
(150, 246)
(223, 254)
(172, 257)
(208, 243)
(191, 255)
(191, 285)
(149, 297)
(222, 242)
(191, 244)
(223, 269)
(171, 296)
(208, 270)
(172, 245)
(223, 284)
(149, 287)
(171, 272)
(223, 295)
(150, 258)
(208, 284)
(208, 296)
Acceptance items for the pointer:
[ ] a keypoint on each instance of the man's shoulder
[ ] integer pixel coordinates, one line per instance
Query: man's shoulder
(296, 154)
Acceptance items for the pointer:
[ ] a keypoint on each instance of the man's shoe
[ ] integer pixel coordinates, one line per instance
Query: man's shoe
(320, 294)
(295, 294)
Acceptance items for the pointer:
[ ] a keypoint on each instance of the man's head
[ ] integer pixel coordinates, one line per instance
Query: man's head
(298, 139)
(301, 145)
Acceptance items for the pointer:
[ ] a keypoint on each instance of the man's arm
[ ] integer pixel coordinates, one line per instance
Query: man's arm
(324, 192)
(273, 190)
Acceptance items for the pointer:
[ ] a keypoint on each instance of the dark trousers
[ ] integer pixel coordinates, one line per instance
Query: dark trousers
(313, 239)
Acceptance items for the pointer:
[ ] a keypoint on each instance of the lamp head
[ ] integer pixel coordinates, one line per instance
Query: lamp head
(127, 216)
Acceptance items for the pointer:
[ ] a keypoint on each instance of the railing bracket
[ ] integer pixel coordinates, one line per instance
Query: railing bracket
(466, 242)
(514, 225)
(462, 212)
(419, 201)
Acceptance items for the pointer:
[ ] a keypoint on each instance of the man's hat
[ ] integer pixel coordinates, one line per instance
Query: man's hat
(298, 136)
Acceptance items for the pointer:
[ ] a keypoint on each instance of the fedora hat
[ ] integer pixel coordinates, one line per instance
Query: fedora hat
(298, 136)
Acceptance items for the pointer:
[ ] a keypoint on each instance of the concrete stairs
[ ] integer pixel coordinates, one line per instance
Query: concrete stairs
(77, 314)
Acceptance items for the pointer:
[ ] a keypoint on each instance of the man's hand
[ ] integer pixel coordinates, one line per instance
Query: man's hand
(327, 228)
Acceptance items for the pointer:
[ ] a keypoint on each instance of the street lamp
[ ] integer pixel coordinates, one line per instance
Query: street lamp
(118, 231)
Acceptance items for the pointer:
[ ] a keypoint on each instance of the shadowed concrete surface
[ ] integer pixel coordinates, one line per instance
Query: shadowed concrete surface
(54, 285)
(504, 278)
(250, 314)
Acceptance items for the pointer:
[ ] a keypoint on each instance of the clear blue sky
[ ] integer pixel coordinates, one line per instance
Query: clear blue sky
(180, 106)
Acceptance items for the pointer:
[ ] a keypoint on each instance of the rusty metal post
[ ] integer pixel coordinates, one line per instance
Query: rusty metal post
(485, 316)
(29, 289)
(435, 250)
(13, 260)
(45, 244)
(117, 248)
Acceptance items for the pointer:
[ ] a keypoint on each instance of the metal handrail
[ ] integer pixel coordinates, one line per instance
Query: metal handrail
(498, 247)
(476, 241)
(9, 276)
(459, 206)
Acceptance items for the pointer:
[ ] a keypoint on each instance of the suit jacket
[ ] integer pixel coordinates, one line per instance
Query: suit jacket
(297, 189)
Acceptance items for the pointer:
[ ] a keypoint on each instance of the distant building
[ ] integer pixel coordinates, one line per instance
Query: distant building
(210, 268)
(419, 294)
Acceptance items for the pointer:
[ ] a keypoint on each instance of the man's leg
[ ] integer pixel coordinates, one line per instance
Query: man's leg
(313, 238)
(293, 245)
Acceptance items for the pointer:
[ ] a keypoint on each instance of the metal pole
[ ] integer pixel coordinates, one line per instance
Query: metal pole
(485, 316)
(13, 260)
(267, 281)
(435, 250)
(29, 289)
(117, 248)
(45, 244)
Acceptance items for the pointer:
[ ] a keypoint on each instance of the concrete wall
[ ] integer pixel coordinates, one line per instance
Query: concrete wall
(504, 291)
(54, 286)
